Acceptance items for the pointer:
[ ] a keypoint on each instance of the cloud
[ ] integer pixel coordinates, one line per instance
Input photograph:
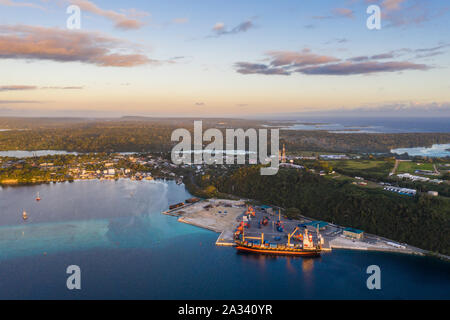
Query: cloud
(200, 104)
(389, 55)
(180, 20)
(413, 53)
(308, 63)
(255, 68)
(403, 12)
(392, 5)
(18, 101)
(64, 88)
(17, 88)
(406, 107)
(302, 58)
(121, 20)
(358, 58)
(220, 29)
(349, 68)
(10, 3)
(388, 108)
(219, 26)
(343, 12)
(27, 87)
(439, 47)
(337, 13)
(41, 43)
(283, 61)
(381, 56)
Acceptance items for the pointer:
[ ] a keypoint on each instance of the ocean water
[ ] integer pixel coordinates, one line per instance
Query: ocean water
(127, 249)
(436, 150)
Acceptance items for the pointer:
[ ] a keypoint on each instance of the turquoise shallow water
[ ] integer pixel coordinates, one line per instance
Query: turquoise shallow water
(127, 249)
(437, 150)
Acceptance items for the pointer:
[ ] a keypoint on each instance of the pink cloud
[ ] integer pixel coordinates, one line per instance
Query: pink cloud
(302, 58)
(41, 43)
(392, 5)
(10, 3)
(344, 12)
(17, 88)
(121, 20)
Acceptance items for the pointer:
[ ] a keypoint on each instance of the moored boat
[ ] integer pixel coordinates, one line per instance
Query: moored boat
(279, 250)
(306, 248)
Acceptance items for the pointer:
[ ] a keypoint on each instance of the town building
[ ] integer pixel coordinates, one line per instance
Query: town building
(353, 233)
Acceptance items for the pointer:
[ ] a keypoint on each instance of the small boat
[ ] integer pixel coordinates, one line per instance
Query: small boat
(38, 198)
(24, 215)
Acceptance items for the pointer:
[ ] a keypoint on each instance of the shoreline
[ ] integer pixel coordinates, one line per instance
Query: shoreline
(23, 184)
(196, 215)
(226, 235)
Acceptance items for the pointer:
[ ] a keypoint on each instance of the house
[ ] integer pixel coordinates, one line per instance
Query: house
(353, 233)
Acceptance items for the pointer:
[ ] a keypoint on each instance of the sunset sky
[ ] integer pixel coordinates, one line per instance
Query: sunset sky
(211, 58)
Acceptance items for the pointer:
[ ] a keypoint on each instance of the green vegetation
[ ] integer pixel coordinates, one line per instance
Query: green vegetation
(412, 166)
(154, 135)
(421, 221)
(358, 143)
(369, 169)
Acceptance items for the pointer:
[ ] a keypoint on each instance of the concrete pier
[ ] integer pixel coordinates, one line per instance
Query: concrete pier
(223, 216)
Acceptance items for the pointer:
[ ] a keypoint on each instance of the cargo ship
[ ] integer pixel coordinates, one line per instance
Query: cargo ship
(306, 247)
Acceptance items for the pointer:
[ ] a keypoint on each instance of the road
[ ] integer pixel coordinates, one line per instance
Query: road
(395, 168)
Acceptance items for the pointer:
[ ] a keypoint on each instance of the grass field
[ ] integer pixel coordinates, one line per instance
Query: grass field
(316, 153)
(411, 166)
(380, 166)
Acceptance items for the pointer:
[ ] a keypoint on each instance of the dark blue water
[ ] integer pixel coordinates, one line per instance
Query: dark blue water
(126, 249)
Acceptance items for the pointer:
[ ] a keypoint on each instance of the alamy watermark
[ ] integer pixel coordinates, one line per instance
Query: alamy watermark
(74, 20)
(74, 280)
(374, 281)
(374, 20)
(215, 152)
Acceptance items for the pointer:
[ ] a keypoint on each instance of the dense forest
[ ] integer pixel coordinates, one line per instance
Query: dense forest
(359, 142)
(421, 221)
(153, 135)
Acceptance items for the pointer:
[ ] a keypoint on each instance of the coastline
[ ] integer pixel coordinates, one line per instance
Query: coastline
(226, 232)
(16, 183)
(196, 215)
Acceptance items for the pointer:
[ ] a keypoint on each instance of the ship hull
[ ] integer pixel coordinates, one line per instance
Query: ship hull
(304, 253)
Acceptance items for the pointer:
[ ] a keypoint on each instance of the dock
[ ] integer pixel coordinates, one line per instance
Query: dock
(226, 239)
(223, 217)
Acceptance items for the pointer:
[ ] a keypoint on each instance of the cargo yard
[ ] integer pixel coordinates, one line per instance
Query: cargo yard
(215, 215)
(266, 224)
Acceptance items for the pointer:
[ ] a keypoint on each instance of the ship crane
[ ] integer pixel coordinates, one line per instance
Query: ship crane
(290, 235)
(254, 238)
